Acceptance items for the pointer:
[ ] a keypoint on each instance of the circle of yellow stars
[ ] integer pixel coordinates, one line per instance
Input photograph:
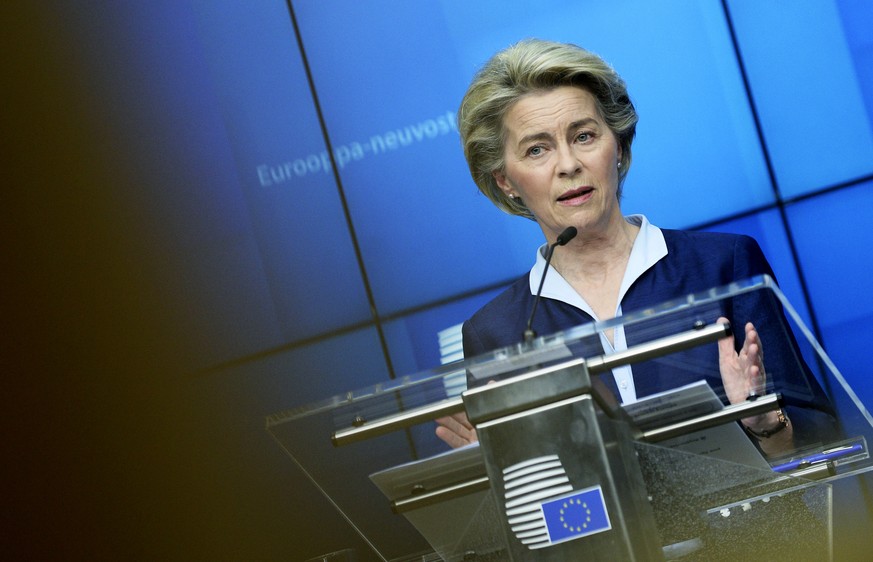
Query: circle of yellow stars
(566, 506)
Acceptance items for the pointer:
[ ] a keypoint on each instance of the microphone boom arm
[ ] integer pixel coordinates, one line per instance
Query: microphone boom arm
(568, 234)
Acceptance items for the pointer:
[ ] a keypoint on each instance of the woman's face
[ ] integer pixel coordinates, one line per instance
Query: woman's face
(562, 160)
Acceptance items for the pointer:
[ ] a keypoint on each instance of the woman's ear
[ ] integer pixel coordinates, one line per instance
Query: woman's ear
(502, 183)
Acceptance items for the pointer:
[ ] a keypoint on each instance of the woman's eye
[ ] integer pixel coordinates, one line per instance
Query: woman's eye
(535, 150)
(583, 137)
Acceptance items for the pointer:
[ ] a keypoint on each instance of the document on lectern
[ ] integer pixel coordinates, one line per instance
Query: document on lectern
(726, 442)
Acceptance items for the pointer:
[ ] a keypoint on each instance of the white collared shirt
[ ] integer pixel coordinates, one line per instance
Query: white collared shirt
(649, 248)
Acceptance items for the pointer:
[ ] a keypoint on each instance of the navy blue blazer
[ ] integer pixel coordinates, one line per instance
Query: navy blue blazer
(695, 262)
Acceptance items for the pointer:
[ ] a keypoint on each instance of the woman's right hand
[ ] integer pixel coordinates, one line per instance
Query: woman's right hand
(456, 430)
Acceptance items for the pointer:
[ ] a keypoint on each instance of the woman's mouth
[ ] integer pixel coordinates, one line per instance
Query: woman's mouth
(576, 196)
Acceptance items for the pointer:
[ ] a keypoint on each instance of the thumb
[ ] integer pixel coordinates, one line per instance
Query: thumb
(726, 349)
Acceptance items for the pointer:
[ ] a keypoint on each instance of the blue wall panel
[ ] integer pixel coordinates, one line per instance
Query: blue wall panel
(810, 100)
(390, 90)
(283, 170)
(834, 242)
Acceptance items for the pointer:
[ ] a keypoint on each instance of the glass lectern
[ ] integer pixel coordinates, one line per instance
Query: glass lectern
(566, 470)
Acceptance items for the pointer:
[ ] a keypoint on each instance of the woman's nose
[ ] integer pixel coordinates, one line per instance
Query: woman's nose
(568, 163)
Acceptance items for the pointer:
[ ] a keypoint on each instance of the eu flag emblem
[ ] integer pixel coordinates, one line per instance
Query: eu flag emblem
(576, 515)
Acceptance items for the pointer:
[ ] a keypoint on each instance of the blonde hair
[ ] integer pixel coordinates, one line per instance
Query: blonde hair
(529, 66)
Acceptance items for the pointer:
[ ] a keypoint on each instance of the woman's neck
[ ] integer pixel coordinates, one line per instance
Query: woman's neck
(592, 255)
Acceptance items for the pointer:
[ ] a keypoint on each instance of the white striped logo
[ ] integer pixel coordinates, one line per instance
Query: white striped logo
(527, 485)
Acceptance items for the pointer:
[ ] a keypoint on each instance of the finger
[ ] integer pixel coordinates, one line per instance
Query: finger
(451, 438)
(450, 424)
(456, 422)
(462, 419)
(726, 349)
(755, 351)
(449, 427)
(454, 434)
(755, 337)
(752, 354)
(752, 336)
(458, 425)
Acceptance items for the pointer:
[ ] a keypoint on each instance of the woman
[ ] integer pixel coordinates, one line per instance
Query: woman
(547, 130)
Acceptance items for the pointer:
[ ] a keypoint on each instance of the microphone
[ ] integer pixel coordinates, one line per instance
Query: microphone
(568, 234)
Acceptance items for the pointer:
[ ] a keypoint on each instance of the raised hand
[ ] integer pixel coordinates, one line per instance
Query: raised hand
(744, 377)
(742, 373)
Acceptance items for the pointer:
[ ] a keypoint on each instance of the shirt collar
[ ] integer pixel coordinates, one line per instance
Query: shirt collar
(649, 248)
